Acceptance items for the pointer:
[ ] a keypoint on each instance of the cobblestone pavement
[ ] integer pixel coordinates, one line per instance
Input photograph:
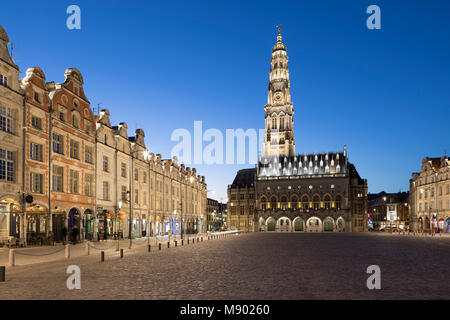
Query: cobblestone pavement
(251, 266)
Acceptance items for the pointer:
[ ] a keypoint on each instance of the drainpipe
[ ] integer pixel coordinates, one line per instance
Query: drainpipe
(23, 222)
(50, 170)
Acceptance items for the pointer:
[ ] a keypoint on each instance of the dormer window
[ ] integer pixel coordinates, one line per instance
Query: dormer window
(75, 104)
(36, 97)
(74, 121)
(3, 80)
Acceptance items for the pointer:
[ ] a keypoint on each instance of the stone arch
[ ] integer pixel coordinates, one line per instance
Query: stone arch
(305, 202)
(314, 224)
(283, 202)
(294, 202)
(273, 202)
(316, 201)
(262, 224)
(328, 224)
(299, 224)
(340, 224)
(270, 224)
(284, 224)
(338, 202)
(327, 201)
(263, 203)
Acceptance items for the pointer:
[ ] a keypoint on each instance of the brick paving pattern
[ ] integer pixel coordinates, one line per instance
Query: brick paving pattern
(250, 266)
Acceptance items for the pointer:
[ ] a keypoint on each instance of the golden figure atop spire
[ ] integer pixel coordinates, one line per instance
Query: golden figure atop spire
(279, 33)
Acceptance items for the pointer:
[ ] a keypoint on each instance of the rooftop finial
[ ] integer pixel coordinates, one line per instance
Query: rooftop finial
(279, 34)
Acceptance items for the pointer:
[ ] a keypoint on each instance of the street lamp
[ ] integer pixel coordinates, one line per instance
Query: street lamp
(119, 206)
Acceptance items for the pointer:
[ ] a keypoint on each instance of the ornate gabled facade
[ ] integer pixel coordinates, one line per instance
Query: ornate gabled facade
(295, 192)
(429, 196)
(77, 171)
(12, 220)
(37, 150)
(72, 132)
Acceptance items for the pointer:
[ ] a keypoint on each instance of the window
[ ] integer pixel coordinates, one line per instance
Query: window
(36, 97)
(57, 143)
(105, 190)
(3, 80)
(57, 179)
(7, 119)
(75, 121)
(124, 193)
(136, 175)
(136, 196)
(73, 181)
(6, 165)
(242, 210)
(327, 201)
(36, 122)
(145, 198)
(316, 201)
(105, 164)
(281, 123)
(74, 149)
(36, 151)
(242, 196)
(36, 182)
(274, 123)
(123, 170)
(338, 202)
(88, 184)
(145, 178)
(87, 126)
(88, 154)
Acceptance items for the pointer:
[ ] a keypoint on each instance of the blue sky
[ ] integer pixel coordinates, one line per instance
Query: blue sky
(161, 65)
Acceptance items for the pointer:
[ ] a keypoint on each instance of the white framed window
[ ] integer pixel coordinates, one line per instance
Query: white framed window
(7, 167)
(7, 119)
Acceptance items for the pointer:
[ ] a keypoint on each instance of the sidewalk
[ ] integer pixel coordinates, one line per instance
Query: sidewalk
(41, 254)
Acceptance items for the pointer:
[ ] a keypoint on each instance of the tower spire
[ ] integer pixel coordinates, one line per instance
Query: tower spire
(279, 34)
(279, 134)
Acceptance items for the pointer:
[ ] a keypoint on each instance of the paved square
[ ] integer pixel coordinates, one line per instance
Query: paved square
(251, 266)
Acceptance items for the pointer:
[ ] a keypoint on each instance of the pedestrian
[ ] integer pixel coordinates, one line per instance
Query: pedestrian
(75, 233)
(64, 234)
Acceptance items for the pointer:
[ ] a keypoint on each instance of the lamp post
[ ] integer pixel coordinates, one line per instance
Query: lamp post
(181, 220)
(119, 206)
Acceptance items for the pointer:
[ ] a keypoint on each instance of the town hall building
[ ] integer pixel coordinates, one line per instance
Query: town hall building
(319, 192)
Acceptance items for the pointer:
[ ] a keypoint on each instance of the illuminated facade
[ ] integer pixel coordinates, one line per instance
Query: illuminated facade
(429, 195)
(76, 170)
(295, 192)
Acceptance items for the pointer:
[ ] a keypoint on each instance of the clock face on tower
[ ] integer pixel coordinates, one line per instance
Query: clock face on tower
(278, 96)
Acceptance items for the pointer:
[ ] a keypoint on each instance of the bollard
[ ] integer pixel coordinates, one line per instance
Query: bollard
(198, 239)
(121, 253)
(67, 254)
(202, 239)
(2, 273)
(176, 243)
(188, 241)
(102, 256)
(149, 248)
(117, 245)
(87, 248)
(12, 258)
(182, 242)
(159, 244)
(168, 244)
(208, 237)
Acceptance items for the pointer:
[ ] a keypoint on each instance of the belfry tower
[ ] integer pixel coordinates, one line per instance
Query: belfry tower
(279, 123)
